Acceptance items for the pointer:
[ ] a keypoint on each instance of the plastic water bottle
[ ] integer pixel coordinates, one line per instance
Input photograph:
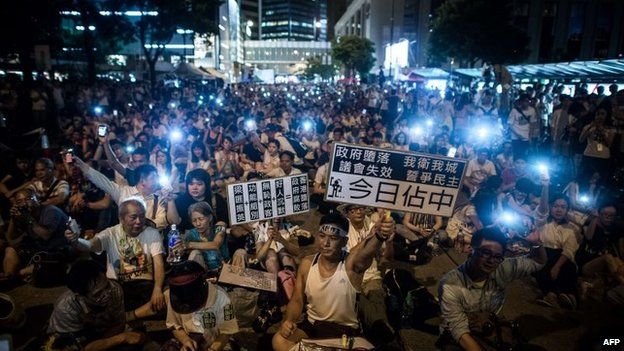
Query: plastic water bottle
(175, 254)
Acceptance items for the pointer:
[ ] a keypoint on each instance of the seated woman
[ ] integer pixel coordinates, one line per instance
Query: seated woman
(206, 243)
(197, 190)
(199, 313)
(557, 279)
(464, 222)
(270, 159)
(199, 158)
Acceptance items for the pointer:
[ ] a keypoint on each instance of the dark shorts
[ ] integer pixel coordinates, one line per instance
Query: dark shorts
(137, 293)
(326, 330)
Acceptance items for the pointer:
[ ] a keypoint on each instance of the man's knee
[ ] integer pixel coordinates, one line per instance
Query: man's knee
(196, 255)
(239, 258)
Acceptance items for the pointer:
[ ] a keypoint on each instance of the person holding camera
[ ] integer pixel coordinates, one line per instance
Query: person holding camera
(477, 287)
(33, 228)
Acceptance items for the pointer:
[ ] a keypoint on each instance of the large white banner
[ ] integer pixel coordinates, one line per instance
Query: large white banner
(268, 198)
(394, 180)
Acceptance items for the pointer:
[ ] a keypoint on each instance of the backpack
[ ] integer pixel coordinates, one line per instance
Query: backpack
(408, 303)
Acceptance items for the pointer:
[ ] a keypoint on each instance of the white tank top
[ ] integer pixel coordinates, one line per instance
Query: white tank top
(331, 299)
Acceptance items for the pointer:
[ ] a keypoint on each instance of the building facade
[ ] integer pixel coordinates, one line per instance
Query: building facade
(296, 20)
(563, 30)
(284, 57)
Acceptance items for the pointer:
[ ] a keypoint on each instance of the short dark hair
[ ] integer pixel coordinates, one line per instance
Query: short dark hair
(141, 151)
(82, 274)
(491, 234)
(287, 153)
(378, 135)
(143, 171)
(274, 141)
(336, 218)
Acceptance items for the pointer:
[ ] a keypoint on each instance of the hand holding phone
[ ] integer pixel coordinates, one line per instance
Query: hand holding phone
(68, 157)
(102, 130)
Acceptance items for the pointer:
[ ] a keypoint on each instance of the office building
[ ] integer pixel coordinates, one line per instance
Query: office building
(295, 20)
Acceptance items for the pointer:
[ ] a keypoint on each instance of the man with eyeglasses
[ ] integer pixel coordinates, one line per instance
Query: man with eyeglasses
(478, 285)
(328, 282)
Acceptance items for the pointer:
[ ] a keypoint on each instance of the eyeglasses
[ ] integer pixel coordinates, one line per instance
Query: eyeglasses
(487, 254)
(356, 209)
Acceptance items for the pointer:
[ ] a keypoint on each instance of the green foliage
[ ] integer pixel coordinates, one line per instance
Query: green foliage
(354, 53)
(201, 16)
(316, 67)
(472, 30)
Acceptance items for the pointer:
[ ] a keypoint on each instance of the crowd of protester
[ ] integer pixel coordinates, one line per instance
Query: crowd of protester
(127, 163)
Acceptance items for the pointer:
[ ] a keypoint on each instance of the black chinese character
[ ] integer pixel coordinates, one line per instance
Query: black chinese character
(441, 199)
(414, 200)
(387, 191)
(360, 186)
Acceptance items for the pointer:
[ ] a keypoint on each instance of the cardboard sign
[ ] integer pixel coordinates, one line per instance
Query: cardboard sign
(268, 198)
(248, 278)
(394, 180)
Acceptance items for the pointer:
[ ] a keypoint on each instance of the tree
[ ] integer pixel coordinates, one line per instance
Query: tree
(354, 53)
(154, 32)
(316, 67)
(473, 30)
(101, 34)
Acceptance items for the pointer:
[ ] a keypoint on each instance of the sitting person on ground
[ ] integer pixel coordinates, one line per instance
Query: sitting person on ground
(134, 258)
(33, 228)
(199, 313)
(371, 306)
(478, 170)
(47, 187)
(92, 310)
(331, 272)
(206, 242)
(478, 286)
(147, 188)
(197, 190)
(285, 168)
(602, 242)
(557, 280)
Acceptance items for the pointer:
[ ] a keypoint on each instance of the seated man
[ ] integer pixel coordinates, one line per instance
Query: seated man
(191, 296)
(146, 188)
(92, 310)
(33, 228)
(330, 273)
(134, 258)
(49, 189)
(478, 286)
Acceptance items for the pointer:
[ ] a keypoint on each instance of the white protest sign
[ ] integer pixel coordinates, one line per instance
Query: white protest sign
(394, 180)
(268, 198)
(247, 277)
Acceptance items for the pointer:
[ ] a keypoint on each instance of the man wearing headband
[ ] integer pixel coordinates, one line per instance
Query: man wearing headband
(328, 282)
(198, 312)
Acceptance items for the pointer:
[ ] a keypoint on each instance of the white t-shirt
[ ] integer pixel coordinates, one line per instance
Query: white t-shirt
(216, 317)
(130, 258)
(520, 126)
(356, 237)
(279, 172)
(478, 173)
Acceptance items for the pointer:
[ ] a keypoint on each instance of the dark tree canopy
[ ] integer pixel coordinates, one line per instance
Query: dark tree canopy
(354, 53)
(473, 30)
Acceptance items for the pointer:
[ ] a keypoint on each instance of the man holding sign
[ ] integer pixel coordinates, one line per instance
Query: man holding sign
(330, 273)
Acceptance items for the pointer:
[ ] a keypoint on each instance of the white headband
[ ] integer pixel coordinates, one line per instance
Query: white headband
(333, 230)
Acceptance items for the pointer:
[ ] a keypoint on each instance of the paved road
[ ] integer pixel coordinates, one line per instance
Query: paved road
(547, 328)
